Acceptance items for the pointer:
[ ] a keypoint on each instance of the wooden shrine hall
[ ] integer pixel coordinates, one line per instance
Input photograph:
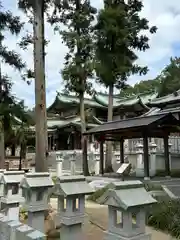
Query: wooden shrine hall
(154, 126)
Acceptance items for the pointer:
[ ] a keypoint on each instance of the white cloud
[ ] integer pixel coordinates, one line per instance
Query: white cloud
(164, 14)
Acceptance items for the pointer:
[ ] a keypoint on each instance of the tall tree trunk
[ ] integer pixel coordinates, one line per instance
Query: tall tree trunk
(2, 149)
(108, 163)
(83, 138)
(2, 145)
(40, 88)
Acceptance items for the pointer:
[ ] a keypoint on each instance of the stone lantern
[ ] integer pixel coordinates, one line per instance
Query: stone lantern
(71, 191)
(126, 206)
(12, 194)
(35, 187)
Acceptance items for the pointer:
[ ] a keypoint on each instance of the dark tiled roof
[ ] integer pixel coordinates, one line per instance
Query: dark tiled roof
(128, 123)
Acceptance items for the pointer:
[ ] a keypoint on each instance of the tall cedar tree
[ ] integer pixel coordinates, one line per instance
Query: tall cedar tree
(118, 34)
(38, 8)
(12, 24)
(77, 16)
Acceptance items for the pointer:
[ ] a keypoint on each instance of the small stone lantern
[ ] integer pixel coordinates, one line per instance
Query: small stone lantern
(12, 194)
(126, 205)
(71, 191)
(35, 187)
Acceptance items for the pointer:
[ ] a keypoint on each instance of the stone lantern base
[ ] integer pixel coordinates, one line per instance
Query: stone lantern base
(113, 236)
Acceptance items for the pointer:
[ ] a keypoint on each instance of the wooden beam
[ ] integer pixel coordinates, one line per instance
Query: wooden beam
(146, 156)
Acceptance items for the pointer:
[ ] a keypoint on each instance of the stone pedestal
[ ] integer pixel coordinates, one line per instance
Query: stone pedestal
(4, 220)
(22, 231)
(139, 161)
(152, 151)
(97, 163)
(71, 233)
(25, 232)
(35, 189)
(35, 235)
(59, 161)
(11, 229)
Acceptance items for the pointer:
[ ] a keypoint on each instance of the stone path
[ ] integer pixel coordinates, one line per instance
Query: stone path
(96, 222)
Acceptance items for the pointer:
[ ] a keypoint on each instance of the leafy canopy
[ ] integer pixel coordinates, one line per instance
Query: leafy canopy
(119, 32)
(13, 24)
(141, 87)
(165, 83)
(77, 17)
(9, 106)
(169, 77)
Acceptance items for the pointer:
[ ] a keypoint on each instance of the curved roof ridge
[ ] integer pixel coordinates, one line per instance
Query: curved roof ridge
(72, 96)
(139, 95)
(169, 95)
(106, 94)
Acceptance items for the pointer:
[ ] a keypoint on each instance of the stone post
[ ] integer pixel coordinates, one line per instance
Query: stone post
(22, 231)
(12, 193)
(35, 188)
(73, 163)
(71, 191)
(35, 235)
(11, 229)
(1, 186)
(170, 158)
(127, 210)
(97, 163)
(152, 151)
(4, 220)
(139, 161)
(59, 161)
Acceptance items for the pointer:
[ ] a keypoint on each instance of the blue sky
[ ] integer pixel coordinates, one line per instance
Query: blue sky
(164, 14)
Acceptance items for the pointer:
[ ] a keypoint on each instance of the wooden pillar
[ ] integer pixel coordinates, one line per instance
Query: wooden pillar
(146, 157)
(101, 162)
(49, 142)
(122, 150)
(166, 155)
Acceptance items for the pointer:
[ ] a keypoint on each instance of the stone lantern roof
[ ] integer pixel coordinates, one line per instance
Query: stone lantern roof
(126, 195)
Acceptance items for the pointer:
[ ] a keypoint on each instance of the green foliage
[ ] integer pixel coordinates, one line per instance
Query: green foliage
(141, 87)
(152, 187)
(165, 83)
(174, 173)
(54, 179)
(165, 216)
(27, 6)
(9, 107)
(11, 23)
(77, 17)
(118, 34)
(169, 77)
(97, 194)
